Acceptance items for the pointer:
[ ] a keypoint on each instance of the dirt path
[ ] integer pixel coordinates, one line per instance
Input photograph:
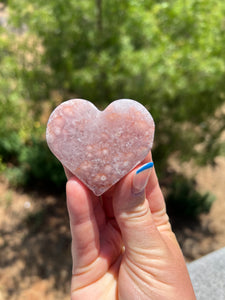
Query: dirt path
(199, 238)
(35, 259)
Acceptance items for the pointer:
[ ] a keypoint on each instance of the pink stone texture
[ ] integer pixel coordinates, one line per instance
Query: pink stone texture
(100, 147)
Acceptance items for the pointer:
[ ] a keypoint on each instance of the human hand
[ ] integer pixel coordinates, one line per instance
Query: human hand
(122, 243)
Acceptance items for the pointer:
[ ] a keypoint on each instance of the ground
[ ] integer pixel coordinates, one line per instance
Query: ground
(207, 234)
(35, 261)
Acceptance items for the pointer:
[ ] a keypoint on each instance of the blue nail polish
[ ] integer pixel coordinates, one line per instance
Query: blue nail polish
(145, 167)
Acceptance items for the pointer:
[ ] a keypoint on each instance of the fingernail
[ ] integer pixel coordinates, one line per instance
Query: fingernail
(141, 177)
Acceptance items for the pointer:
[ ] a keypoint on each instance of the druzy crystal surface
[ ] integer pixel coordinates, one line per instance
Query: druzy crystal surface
(100, 147)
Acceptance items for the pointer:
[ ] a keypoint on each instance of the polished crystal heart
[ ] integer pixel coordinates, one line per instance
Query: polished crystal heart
(100, 147)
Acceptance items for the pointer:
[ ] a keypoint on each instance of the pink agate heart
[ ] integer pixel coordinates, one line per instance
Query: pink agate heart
(100, 147)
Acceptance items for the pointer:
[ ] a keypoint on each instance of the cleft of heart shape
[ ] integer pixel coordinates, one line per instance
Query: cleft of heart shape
(100, 147)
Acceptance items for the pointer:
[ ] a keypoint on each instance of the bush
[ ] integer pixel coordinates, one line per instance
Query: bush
(40, 167)
(184, 200)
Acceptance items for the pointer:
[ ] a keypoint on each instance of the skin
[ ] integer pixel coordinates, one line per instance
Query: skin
(122, 243)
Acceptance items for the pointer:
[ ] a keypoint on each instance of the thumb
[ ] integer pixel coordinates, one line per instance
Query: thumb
(132, 212)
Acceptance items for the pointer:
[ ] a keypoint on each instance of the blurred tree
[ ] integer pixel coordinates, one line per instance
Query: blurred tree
(168, 55)
(23, 152)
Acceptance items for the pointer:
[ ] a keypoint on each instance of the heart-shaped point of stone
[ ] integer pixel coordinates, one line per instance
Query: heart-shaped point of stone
(100, 147)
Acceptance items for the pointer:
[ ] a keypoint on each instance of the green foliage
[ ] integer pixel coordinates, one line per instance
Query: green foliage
(184, 201)
(24, 156)
(11, 115)
(2, 165)
(169, 55)
(36, 167)
(39, 166)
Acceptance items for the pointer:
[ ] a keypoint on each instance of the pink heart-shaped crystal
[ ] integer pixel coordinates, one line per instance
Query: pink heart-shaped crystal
(100, 147)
